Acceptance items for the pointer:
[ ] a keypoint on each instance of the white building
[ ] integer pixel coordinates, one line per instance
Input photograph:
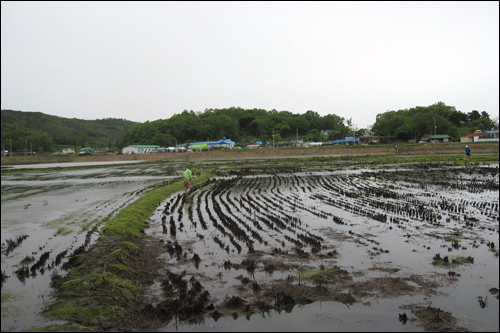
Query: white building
(479, 136)
(68, 151)
(140, 149)
(312, 144)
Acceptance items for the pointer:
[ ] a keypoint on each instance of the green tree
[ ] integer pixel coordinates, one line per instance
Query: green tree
(459, 118)
(405, 132)
(485, 115)
(261, 127)
(298, 123)
(313, 118)
(387, 123)
(482, 124)
(315, 135)
(474, 115)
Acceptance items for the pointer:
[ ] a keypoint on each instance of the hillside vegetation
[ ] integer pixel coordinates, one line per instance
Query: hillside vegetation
(247, 125)
(47, 133)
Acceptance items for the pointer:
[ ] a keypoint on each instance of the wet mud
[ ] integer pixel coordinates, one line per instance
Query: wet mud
(51, 216)
(268, 240)
(411, 247)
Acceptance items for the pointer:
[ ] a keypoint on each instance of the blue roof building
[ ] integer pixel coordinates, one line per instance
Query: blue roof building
(222, 143)
(349, 140)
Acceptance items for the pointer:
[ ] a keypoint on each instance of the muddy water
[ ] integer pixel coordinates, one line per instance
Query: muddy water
(317, 317)
(56, 210)
(384, 225)
(278, 217)
(68, 164)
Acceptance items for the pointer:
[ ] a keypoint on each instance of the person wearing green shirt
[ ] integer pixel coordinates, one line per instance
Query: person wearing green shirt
(188, 178)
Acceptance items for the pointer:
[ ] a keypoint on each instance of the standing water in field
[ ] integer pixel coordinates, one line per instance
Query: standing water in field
(49, 214)
(278, 247)
(368, 247)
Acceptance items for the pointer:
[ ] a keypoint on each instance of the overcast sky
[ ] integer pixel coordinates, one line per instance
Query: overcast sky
(150, 60)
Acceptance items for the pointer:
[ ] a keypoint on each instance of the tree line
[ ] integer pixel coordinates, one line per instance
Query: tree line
(416, 122)
(237, 124)
(48, 133)
(242, 125)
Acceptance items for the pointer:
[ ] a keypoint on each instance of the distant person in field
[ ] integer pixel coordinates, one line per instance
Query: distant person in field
(467, 152)
(188, 179)
(396, 149)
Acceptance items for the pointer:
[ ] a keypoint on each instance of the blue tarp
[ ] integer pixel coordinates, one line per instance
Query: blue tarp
(348, 139)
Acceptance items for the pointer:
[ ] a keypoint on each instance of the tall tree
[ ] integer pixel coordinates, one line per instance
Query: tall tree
(459, 118)
(474, 115)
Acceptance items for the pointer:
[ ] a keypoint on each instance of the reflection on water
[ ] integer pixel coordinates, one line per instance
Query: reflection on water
(67, 164)
(318, 317)
(56, 208)
(385, 226)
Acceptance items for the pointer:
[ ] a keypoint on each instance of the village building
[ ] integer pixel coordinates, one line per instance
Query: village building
(296, 143)
(140, 149)
(312, 144)
(479, 136)
(435, 138)
(282, 144)
(68, 151)
(87, 150)
(365, 139)
(219, 144)
(347, 141)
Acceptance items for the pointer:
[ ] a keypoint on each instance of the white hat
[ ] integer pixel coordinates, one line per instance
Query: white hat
(466, 146)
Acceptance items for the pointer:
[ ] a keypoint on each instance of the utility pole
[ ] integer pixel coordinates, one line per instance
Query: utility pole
(435, 139)
(297, 137)
(273, 139)
(26, 148)
(31, 149)
(10, 147)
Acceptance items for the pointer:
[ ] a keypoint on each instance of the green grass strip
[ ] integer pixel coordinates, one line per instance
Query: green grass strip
(104, 290)
(133, 218)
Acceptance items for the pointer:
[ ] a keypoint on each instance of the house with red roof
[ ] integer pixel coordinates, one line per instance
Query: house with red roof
(480, 136)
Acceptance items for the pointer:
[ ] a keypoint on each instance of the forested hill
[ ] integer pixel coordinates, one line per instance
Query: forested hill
(46, 132)
(237, 124)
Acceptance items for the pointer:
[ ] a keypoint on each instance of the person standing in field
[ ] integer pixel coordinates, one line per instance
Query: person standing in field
(188, 179)
(467, 152)
(396, 149)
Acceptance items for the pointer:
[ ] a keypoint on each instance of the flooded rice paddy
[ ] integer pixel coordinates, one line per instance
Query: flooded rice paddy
(367, 239)
(68, 164)
(56, 209)
(277, 248)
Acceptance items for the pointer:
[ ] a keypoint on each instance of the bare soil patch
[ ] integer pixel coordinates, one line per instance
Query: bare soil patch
(436, 320)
